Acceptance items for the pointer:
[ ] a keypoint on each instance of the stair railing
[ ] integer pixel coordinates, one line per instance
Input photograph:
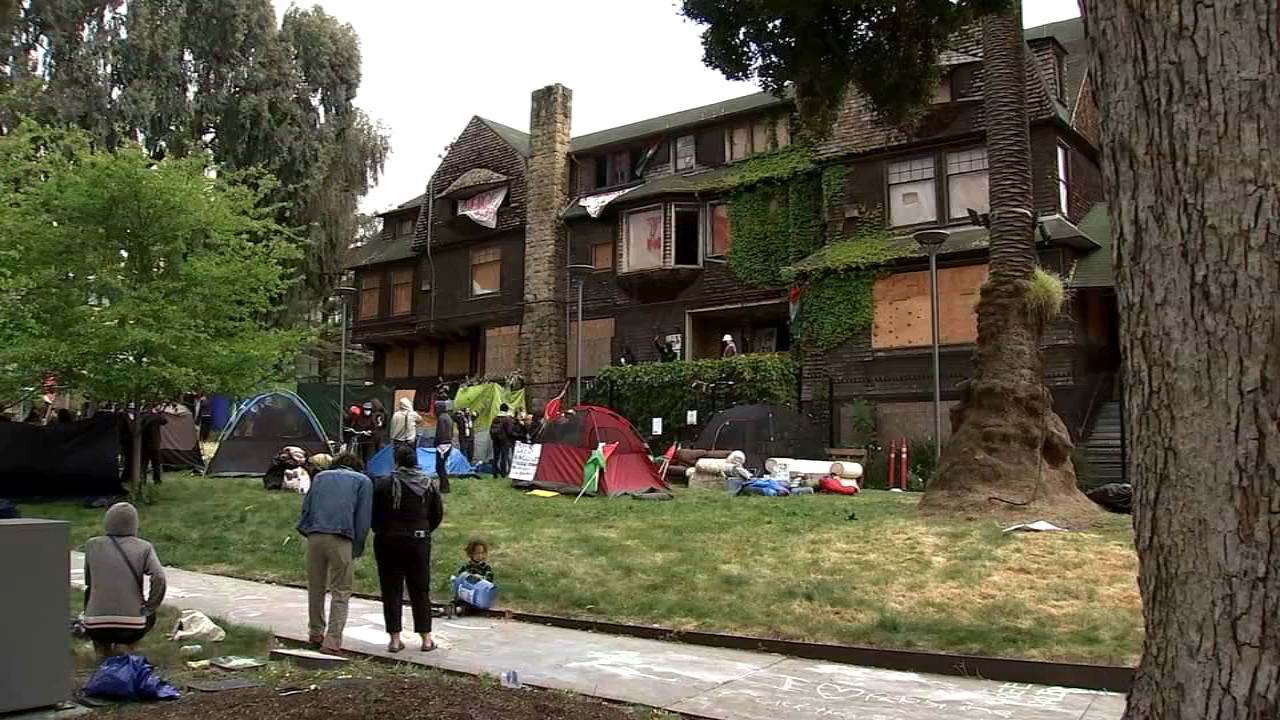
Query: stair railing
(1104, 380)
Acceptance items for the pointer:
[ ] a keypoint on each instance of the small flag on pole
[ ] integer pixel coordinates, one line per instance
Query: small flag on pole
(793, 302)
(553, 410)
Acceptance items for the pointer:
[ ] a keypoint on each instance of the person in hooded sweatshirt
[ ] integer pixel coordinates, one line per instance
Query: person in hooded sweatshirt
(116, 614)
(406, 510)
(404, 425)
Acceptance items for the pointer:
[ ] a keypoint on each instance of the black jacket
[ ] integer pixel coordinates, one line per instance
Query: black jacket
(415, 514)
(444, 429)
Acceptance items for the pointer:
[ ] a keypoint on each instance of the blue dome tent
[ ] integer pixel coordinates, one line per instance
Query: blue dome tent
(382, 463)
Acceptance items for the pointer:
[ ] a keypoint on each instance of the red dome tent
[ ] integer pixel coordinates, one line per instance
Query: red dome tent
(568, 442)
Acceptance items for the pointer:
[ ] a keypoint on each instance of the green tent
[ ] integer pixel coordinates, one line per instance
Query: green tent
(484, 400)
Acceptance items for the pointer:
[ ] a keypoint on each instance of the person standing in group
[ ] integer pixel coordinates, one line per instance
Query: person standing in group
(365, 427)
(444, 445)
(116, 614)
(404, 425)
(406, 509)
(502, 436)
(336, 516)
(466, 433)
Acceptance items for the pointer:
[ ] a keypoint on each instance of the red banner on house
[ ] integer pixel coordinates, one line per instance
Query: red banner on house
(482, 208)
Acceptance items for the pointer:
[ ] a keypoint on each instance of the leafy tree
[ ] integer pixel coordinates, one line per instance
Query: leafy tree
(1007, 442)
(182, 77)
(137, 281)
(1188, 95)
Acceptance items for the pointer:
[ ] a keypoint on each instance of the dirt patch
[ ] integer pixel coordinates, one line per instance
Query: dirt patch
(441, 698)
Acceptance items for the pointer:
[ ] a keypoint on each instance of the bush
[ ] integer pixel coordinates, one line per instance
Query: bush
(668, 390)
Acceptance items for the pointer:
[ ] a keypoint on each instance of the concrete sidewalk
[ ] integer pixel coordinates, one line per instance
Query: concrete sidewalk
(724, 684)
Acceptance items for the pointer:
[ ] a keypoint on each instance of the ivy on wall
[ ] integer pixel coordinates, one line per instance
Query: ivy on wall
(840, 282)
(668, 390)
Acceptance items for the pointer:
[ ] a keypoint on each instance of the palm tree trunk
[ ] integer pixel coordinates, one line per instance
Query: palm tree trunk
(1008, 449)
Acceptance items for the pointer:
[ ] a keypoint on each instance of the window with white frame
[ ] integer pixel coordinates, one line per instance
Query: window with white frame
(1063, 194)
(967, 183)
(913, 195)
(643, 235)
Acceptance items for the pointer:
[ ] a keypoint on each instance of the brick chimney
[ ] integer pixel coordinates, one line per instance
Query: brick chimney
(543, 332)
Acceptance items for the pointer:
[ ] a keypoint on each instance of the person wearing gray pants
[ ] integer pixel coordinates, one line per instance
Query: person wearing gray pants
(336, 515)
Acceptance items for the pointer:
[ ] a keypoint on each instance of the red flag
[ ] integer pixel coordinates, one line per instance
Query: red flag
(553, 408)
(793, 302)
(670, 454)
(607, 450)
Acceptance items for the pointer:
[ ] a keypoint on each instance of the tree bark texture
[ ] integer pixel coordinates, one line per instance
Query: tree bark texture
(1009, 451)
(1190, 99)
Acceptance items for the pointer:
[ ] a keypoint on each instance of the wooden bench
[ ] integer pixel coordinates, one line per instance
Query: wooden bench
(858, 455)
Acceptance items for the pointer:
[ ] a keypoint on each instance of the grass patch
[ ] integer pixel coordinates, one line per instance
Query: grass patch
(793, 568)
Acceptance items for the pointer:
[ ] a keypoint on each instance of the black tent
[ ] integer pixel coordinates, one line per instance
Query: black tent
(259, 429)
(180, 440)
(762, 432)
(79, 459)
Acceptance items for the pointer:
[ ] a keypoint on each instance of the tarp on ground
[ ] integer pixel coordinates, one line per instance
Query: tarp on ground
(383, 462)
(323, 401)
(485, 401)
(79, 459)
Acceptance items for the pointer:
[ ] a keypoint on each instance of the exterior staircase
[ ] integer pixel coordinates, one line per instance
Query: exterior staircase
(1105, 447)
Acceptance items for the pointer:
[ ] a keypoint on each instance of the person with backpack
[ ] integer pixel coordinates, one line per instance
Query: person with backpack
(116, 614)
(502, 434)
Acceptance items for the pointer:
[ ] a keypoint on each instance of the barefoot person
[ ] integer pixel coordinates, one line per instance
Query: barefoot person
(116, 614)
(406, 510)
(336, 514)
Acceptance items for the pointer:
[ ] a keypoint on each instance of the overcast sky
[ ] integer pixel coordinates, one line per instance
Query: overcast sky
(429, 66)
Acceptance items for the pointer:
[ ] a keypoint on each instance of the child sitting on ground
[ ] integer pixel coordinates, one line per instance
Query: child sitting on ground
(478, 554)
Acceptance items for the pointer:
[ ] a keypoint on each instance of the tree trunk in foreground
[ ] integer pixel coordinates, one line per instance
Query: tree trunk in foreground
(1009, 451)
(1190, 100)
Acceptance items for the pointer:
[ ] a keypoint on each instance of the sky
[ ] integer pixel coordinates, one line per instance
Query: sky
(429, 65)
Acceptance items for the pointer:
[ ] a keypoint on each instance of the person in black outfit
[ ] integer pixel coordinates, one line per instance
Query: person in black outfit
(151, 423)
(406, 509)
(444, 445)
(501, 433)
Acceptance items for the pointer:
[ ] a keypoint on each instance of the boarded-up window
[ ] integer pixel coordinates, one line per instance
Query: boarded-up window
(426, 359)
(602, 255)
(967, 182)
(686, 150)
(402, 291)
(901, 305)
(486, 271)
(457, 358)
(405, 228)
(397, 362)
(370, 295)
(711, 150)
(644, 237)
(783, 130)
(760, 135)
(913, 195)
(718, 238)
(500, 347)
(739, 139)
(942, 91)
(619, 168)
(597, 346)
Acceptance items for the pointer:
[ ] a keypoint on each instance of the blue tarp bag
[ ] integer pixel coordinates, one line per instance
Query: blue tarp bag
(129, 677)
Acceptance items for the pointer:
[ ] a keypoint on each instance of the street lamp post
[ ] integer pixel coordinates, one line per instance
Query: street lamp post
(931, 242)
(342, 292)
(570, 269)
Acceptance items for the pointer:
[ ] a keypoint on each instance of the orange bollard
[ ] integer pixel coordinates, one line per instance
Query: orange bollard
(893, 462)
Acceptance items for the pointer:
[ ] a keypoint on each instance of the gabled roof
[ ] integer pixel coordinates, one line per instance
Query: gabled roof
(658, 187)
(1070, 34)
(677, 120)
(517, 139)
(475, 178)
(379, 250)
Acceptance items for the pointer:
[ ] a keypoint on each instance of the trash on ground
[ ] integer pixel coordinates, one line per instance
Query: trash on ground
(236, 663)
(128, 677)
(1037, 526)
(511, 680)
(195, 625)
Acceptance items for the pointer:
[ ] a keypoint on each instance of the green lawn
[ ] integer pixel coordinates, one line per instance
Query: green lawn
(794, 568)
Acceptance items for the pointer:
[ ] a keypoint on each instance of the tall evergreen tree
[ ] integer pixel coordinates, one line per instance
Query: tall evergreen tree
(182, 77)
